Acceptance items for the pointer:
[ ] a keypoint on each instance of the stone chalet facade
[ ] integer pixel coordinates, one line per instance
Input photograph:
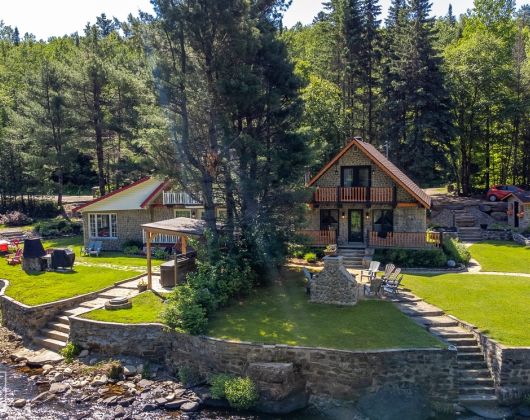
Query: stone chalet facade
(360, 198)
(116, 217)
(518, 210)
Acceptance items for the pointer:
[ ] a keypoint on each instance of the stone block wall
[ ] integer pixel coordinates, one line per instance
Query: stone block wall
(410, 219)
(337, 374)
(496, 235)
(334, 284)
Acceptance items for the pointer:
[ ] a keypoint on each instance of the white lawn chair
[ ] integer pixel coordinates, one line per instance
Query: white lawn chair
(371, 272)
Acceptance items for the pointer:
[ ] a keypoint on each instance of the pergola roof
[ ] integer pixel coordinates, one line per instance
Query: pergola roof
(179, 226)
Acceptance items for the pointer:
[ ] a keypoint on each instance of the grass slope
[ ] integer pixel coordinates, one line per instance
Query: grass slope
(498, 305)
(502, 256)
(282, 314)
(35, 289)
(146, 309)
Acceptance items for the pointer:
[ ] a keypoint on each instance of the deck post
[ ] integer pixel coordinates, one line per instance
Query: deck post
(176, 259)
(149, 275)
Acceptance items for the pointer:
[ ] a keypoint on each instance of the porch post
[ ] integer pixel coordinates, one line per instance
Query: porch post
(149, 279)
(175, 271)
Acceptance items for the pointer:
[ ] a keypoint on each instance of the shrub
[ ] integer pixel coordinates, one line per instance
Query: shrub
(15, 218)
(406, 258)
(131, 250)
(189, 376)
(159, 254)
(241, 393)
(217, 383)
(457, 251)
(70, 351)
(297, 250)
(133, 242)
(310, 257)
(115, 370)
(57, 227)
(183, 312)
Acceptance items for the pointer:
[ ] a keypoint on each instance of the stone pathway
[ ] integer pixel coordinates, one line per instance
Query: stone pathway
(474, 378)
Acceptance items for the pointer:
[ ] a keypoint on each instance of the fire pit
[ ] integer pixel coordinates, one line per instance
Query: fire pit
(118, 303)
(32, 256)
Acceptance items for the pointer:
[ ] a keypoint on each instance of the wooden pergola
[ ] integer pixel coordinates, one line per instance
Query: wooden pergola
(181, 227)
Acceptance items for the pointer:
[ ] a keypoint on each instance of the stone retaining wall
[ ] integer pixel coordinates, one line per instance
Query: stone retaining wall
(509, 366)
(336, 374)
(28, 320)
(497, 235)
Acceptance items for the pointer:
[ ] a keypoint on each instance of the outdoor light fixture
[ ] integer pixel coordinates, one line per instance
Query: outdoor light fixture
(343, 215)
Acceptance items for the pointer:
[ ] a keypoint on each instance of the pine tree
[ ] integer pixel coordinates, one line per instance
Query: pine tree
(16, 36)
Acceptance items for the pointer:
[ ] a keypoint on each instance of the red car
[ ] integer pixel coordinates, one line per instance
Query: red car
(498, 192)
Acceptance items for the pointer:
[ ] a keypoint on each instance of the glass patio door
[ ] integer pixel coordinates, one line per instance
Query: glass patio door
(355, 226)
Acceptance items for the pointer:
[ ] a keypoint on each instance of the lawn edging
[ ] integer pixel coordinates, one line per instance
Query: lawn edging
(28, 320)
(509, 366)
(326, 373)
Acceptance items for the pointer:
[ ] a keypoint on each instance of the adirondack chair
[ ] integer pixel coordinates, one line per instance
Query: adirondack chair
(96, 250)
(309, 277)
(371, 272)
(389, 268)
(16, 258)
(392, 287)
(393, 276)
(374, 287)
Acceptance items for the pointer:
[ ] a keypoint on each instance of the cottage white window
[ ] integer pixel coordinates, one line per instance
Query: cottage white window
(183, 213)
(102, 225)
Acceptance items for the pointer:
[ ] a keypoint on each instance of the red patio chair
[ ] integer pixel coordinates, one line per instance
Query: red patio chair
(15, 259)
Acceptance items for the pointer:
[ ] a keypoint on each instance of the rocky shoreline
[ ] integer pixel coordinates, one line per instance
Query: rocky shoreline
(124, 388)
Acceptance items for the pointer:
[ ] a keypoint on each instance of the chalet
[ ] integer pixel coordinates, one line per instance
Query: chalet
(518, 210)
(117, 217)
(361, 199)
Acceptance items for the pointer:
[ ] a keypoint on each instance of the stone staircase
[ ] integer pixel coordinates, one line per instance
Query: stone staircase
(464, 219)
(352, 257)
(474, 378)
(55, 333)
(470, 234)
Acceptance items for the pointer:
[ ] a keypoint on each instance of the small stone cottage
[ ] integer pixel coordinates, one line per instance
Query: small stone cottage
(360, 198)
(518, 210)
(116, 217)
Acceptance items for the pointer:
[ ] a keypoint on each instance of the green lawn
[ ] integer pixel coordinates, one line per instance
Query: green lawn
(146, 308)
(496, 304)
(502, 256)
(35, 289)
(112, 258)
(282, 314)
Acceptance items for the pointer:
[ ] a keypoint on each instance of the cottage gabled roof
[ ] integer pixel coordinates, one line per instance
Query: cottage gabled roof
(384, 164)
(135, 196)
(523, 197)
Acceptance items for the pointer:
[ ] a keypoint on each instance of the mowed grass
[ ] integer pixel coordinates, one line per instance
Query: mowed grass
(49, 286)
(282, 314)
(110, 258)
(498, 305)
(502, 256)
(146, 308)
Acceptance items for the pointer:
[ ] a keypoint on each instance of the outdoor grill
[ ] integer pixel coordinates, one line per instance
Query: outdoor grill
(32, 256)
(62, 258)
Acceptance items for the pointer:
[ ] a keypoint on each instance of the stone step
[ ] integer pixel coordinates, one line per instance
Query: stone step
(451, 333)
(463, 341)
(475, 373)
(477, 390)
(470, 356)
(437, 321)
(49, 343)
(420, 308)
(78, 311)
(478, 398)
(59, 326)
(63, 319)
(94, 303)
(55, 334)
(471, 364)
(473, 381)
(468, 349)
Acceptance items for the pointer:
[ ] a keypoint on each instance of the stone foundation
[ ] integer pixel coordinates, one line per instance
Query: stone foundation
(334, 284)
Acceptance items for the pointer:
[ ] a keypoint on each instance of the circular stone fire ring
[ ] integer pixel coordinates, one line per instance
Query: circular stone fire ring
(118, 303)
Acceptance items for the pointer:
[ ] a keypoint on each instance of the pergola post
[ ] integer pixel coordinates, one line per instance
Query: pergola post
(149, 274)
(176, 259)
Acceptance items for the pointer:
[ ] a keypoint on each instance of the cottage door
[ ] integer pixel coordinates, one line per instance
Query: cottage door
(515, 212)
(355, 226)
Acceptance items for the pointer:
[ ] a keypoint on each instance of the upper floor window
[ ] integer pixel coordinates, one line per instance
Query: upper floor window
(102, 225)
(183, 213)
(355, 176)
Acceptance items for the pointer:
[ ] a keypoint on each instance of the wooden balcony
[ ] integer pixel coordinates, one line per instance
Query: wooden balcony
(353, 195)
(173, 197)
(413, 240)
(320, 237)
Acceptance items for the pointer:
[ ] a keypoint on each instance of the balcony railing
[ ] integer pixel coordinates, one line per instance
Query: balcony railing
(171, 198)
(162, 239)
(405, 240)
(320, 237)
(353, 195)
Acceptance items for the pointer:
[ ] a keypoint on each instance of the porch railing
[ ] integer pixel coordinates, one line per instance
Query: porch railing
(320, 237)
(405, 240)
(178, 197)
(162, 239)
(353, 195)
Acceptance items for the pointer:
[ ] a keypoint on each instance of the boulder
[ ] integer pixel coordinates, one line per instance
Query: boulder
(174, 405)
(129, 370)
(58, 388)
(20, 403)
(189, 407)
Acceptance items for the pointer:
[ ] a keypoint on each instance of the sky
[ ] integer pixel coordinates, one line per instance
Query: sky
(45, 18)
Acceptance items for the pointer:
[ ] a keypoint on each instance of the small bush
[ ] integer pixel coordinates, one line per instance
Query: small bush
(133, 242)
(70, 351)
(241, 393)
(457, 251)
(189, 376)
(217, 383)
(15, 218)
(297, 251)
(115, 370)
(310, 257)
(407, 258)
(160, 254)
(131, 250)
(184, 313)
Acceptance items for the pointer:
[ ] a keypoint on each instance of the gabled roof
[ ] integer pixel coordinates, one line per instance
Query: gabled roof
(135, 196)
(523, 197)
(384, 164)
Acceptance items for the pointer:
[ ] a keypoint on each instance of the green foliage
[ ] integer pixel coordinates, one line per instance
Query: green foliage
(160, 254)
(456, 251)
(217, 385)
(115, 370)
(70, 351)
(57, 227)
(297, 250)
(133, 242)
(310, 257)
(183, 312)
(131, 250)
(189, 376)
(15, 218)
(408, 258)
(241, 393)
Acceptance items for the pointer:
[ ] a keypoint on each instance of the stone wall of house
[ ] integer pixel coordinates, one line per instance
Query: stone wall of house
(509, 366)
(410, 219)
(334, 284)
(337, 374)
